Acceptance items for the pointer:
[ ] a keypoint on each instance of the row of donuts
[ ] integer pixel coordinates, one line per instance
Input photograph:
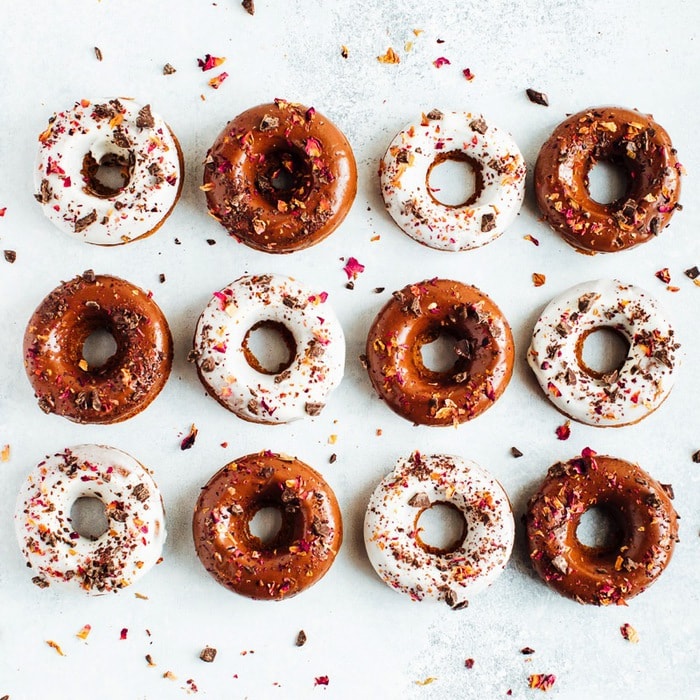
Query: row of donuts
(482, 351)
(311, 530)
(281, 177)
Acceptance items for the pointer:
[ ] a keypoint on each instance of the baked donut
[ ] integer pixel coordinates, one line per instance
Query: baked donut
(139, 149)
(646, 533)
(624, 395)
(127, 382)
(134, 537)
(499, 172)
(280, 177)
(299, 554)
(622, 137)
(232, 374)
(419, 314)
(393, 534)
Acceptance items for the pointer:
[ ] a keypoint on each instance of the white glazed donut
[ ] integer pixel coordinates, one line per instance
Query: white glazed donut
(623, 396)
(463, 136)
(124, 135)
(392, 536)
(129, 547)
(231, 373)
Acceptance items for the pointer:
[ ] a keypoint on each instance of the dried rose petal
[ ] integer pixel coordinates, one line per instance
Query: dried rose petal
(216, 81)
(389, 57)
(188, 440)
(664, 275)
(629, 633)
(542, 681)
(55, 646)
(469, 663)
(441, 61)
(209, 62)
(563, 431)
(588, 452)
(532, 239)
(468, 74)
(321, 680)
(538, 279)
(353, 268)
(123, 633)
(84, 632)
(2, 211)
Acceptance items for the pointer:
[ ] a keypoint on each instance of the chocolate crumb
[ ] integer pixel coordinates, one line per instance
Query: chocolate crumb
(539, 98)
(527, 650)
(45, 192)
(488, 222)
(208, 654)
(434, 114)
(419, 500)
(141, 492)
(350, 285)
(178, 241)
(344, 51)
(144, 119)
(249, 6)
(98, 54)
(161, 278)
(333, 458)
(168, 69)
(40, 581)
(378, 290)
(10, 256)
(516, 452)
(478, 125)
(211, 241)
(85, 221)
(692, 272)
(696, 457)
(314, 409)
(301, 638)
(669, 490)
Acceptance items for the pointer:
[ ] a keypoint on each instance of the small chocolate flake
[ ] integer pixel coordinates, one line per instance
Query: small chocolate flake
(488, 222)
(188, 440)
(141, 492)
(45, 192)
(208, 654)
(249, 6)
(10, 256)
(350, 285)
(98, 53)
(692, 272)
(527, 651)
(378, 290)
(669, 490)
(301, 638)
(211, 241)
(333, 458)
(85, 221)
(419, 500)
(161, 278)
(145, 120)
(149, 660)
(268, 123)
(654, 227)
(478, 125)
(178, 241)
(168, 69)
(40, 581)
(434, 114)
(696, 457)
(539, 98)
(516, 452)
(314, 409)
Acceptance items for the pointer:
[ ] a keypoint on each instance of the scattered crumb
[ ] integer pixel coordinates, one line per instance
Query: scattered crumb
(538, 279)
(83, 632)
(696, 457)
(55, 646)
(4, 209)
(211, 241)
(301, 638)
(249, 6)
(217, 80)
(170, 676)
(149, 660)
(189, 439)
(332, 458)
(427, 681)
(468, 74)
(539, 98)
(98, 54)
(161, 278)
(389, 57)
(532, 239)
(208, 654)
(332, 439)
(516, 452)
(5, 454)
(321, 680)
(209, 62)
(692, 272)
(468, 663)
(193, 686)
(168, 69)
(563, 431)
(378, 432)
(629, 633)
(344, 51)
(664, 275)
(442, 61)
(10, 256)
(527, 650)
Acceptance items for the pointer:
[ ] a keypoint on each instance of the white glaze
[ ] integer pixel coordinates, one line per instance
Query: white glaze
(136, 209)
(404, 181)
(641, 384)
(391, 520)
(57, 554)
(316, 368)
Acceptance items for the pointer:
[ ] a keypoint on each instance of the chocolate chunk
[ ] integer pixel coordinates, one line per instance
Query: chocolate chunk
(314, 409)
(692, 272)
(527, 650)
(402, 156)
(461, 377)
(266, 472)
(46, 404)
(208, 654)
(301, 638)
(103, 111)
(570, 377)
(141, 492)
(516, 452)
(669, 490)
(249, 6)
(434, 114)
(320, 528)
(461, 606)
(478, 125)
(469, 663)
(419, 500)
(654, 227)
(98, 53)
(333, 458)
(268, 123)
(168, 69)
(563, 329)
(208, 365)
(628, 210)
(350, 285)
(211, 241)
(161, 278)
(488, 222)
(89, 276)
(235, 509)
(120, 139)
(610, 377)
(40, 581)
(378, 290)
(539, 98)
(85, 221)
(10, 256)
(145, 120)
(584, 302)
(44, 194)
(696, 457)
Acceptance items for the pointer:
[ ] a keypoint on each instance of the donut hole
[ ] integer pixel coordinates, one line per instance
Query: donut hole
(88, 516)
(602, 352)
(284, 175)
(109, 176)
(608, 181)
(269, 347)
(266, 526)
(599, 529)
(440, 528)
(443, 353)
(98, 348)
(454, 179)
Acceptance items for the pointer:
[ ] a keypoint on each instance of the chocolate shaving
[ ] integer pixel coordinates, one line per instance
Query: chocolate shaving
(314, 409)
(478, 125)
(40, 581)
(45, 192)
(98, 53)
(434, 114)
(584, 302)
(268, 123)
(301, 638)
(488, 222)
(692, 272)
(85, 221)
(249, 6)
(168, 69)
(539, 98)
(696, 457)
(145, 120)
(516, 452)
(10, 256)
(89, 276)
(419, 500)
(402, 156)
(669, 490)
(208, 654)
(527, 650)
(141, 492)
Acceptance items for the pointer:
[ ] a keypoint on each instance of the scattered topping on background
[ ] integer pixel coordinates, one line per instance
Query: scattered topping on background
(538, 279)
(98, 54)
(161, 278)
(332, 439)
(427, 681)
(83, 632)
(344, 51)
(664, 275)
(527, 651)
(378, 290)
(10, 256)
(170, 676)
(141, 596)
(55, 646)
(441, 61)
(563, 431)
(389, 57)
(532, 239)
(217, 80)
(332, 458)
(468, 74)
(193, 686)
(208, 654)
(539, 98)
(629, 633)
(321, 680)
(209, 62)
(542, 681)
(692, 272)
(149, 660)
(353, 268)
(468, 663)
(4, 209)
(301, 638)
(168, 69)
(249, 6)
(123, 633)
(696, 457)
(5, 454)
(516, 452)
(188, 440)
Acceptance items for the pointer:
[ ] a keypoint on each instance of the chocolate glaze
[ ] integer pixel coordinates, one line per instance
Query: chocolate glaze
(641, 508)
(302, 551)
(128, 381)
(626, 138)
(280, 177)
(417, 315)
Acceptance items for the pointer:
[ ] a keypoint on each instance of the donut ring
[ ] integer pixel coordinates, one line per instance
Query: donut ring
(392, 533)
(302, 551)
(621, 397)
(132, 542)
(130, 139)
(641, 508)
(128, 381)
(231, 373)
(280, 177)
(625, 138)
(418, 315)
(499, 170)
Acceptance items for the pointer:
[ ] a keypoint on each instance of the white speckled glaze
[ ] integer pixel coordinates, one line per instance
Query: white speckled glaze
(621, 397)
(133, 541)
(134, 211)
(391, 529)
(317, 365)
(404, 173)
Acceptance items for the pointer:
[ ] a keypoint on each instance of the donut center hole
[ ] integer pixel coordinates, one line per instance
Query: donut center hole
(603, 352)
(607, 181)
(99, 347)
(269, 347)
(88, 517)
(283, 177)
(440, 528)
(599, 529)
(454, 179)
(266, 525)
(109, 176)
(444, 353)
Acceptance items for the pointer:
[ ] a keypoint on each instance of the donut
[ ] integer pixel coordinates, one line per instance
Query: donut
(419, 314)
(393, 534)
(128, 381)
(301, 552)
(499, 173)
(646, 529)
(626, 394)
(139, 149)
(280, 177)
(57, 554)
(232, 374)
(628, 139)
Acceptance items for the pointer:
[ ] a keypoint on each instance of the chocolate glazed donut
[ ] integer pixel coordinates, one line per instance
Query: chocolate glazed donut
(53, 350)
(645, 520)
(628, 139)
(418, 315)
(280, 177)
(299, 554)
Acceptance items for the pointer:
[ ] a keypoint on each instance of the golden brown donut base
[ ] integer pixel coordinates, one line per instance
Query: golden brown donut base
(128, 381)
(419, 314)
(628, 139)
(646, 523)
(302, 551)
(280, 177)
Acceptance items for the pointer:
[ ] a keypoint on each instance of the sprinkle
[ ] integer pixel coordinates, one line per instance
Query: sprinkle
(216, 82)
(441, 61)
(5, 454)
(84, 632)
(538, 279)
(629, 633)
(188, 440)
(208, 654)
(563, 431)
(389, 57)
(344, 51)
(468, 74)
(209, 62)
(353, 268)
(321, 680)
(539, 98)
(542, 681)
(123, 633)
(427, 681)
(532, 239)
(98, 54)
(55, 646)
(168, 69)
(664, 275)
